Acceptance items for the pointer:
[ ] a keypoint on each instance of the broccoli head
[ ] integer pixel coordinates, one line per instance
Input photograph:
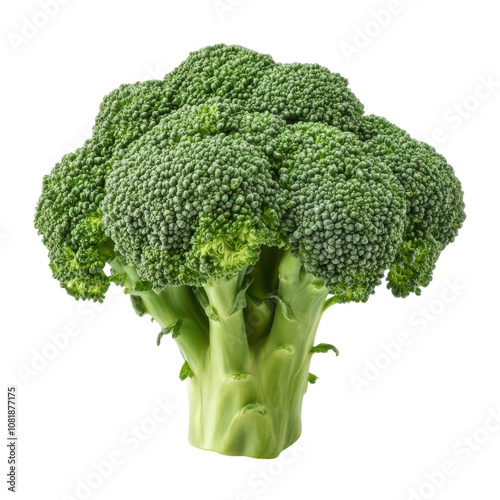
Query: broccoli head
(235, 201)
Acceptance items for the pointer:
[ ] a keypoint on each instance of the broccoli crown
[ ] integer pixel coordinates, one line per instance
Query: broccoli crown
(187, 178)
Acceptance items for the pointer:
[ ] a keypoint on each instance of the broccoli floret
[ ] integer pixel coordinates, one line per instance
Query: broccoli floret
(345, 208)
(69, 217)
(234, 201)
(194, 208)
(433, 198)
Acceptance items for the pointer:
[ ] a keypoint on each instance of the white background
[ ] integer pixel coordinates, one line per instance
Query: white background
(423, 65)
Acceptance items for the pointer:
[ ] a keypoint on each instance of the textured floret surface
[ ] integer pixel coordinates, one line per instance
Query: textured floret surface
(188, 177)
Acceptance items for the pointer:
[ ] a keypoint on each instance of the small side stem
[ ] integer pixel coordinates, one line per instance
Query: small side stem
(228, 349)
(330, 302)
(166, 308)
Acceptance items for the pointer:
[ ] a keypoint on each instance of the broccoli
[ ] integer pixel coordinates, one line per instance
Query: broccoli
(235, 201)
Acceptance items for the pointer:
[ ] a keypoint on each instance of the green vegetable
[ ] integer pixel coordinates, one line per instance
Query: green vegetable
(235, 201)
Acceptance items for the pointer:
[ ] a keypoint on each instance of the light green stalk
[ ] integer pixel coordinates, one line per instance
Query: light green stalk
(247, 343)
(247, 398)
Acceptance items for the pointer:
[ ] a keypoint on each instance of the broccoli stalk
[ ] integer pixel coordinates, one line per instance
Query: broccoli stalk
(247, 343)
(247, 399)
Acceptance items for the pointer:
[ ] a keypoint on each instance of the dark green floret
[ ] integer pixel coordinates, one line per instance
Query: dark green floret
(235, 201)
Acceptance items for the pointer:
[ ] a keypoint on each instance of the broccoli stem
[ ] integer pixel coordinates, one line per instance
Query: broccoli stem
(167, 307)
(247, 343)
(228, 347)
(176, 303)
(247, 397)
